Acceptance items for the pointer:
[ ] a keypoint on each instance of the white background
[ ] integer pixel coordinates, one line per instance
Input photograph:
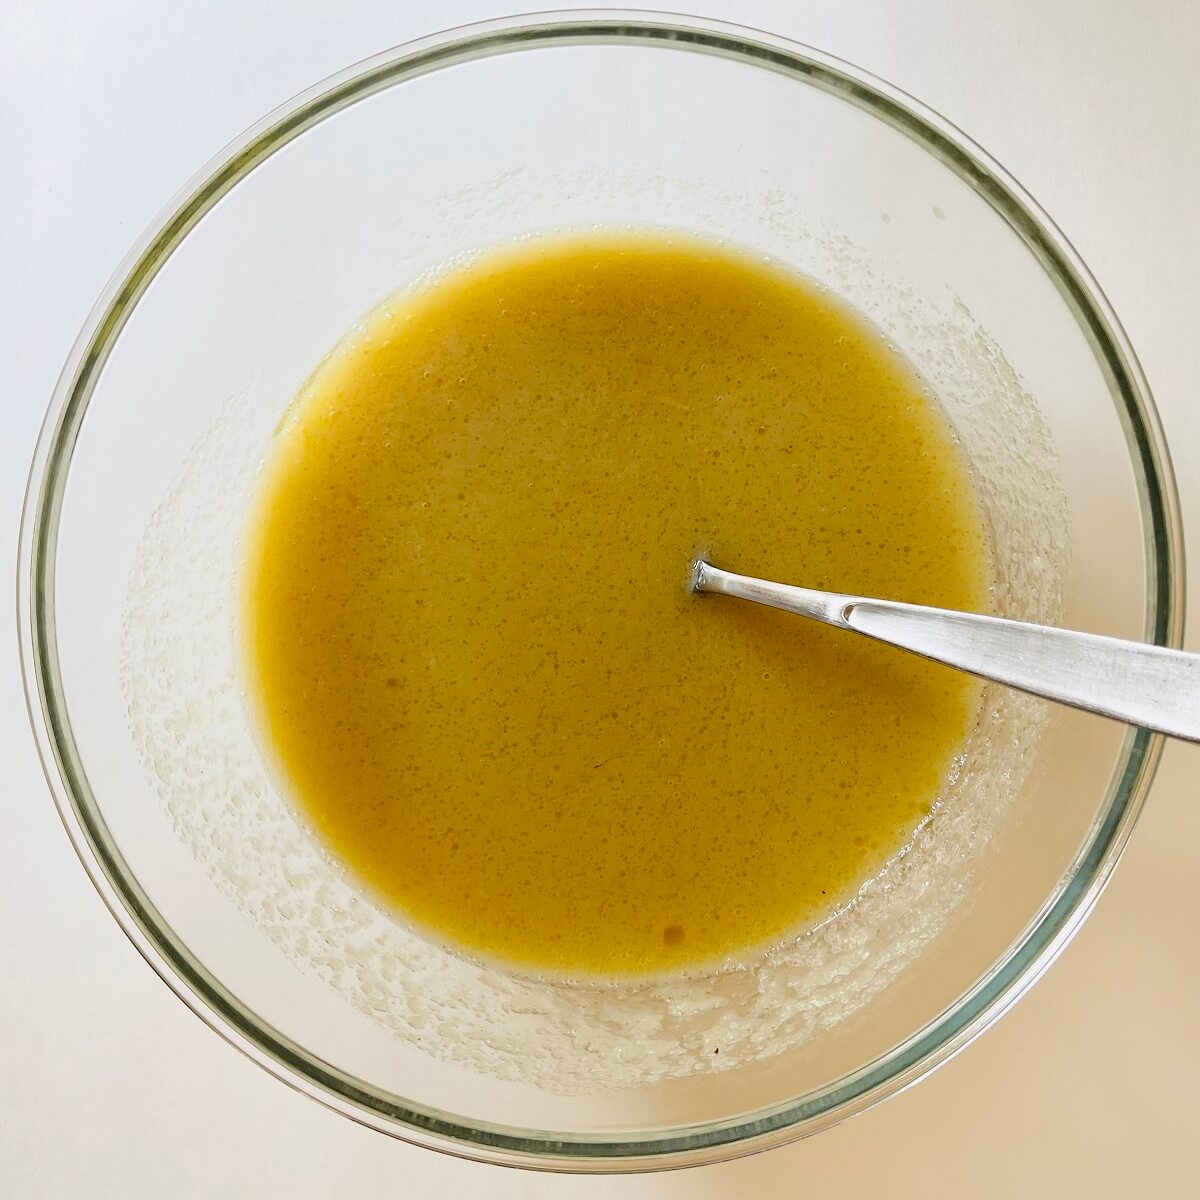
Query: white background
(110, 1087)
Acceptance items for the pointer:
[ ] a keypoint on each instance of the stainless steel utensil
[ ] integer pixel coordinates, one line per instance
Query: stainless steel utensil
(1142, 684)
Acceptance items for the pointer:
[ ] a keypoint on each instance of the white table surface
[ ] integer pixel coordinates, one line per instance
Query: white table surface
(110, 1087)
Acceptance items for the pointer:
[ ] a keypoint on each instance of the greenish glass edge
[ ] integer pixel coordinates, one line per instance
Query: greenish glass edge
(1141, 748)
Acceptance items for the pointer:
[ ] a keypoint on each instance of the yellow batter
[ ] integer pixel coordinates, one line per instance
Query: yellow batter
(468, 632)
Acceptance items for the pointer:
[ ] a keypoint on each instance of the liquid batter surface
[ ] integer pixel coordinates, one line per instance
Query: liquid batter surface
(469, 638)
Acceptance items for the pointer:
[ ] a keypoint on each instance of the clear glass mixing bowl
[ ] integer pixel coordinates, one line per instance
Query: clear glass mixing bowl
(480, 136)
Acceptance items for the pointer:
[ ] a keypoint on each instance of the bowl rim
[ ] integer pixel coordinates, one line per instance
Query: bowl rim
(988, 998)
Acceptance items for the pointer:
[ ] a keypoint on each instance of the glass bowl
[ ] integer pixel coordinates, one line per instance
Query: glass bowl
(433, 151)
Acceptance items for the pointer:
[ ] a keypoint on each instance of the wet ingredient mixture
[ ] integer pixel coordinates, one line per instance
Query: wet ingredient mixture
(469, 639)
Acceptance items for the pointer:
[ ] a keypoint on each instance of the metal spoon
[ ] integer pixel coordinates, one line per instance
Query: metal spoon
(1130, 681)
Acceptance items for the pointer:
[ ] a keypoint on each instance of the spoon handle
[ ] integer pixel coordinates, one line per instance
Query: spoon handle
(1145, 685)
